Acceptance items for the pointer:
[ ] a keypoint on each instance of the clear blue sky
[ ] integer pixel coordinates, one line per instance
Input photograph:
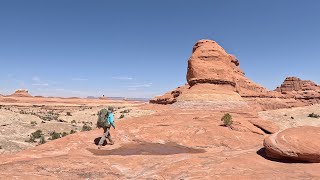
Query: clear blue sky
(140, 48)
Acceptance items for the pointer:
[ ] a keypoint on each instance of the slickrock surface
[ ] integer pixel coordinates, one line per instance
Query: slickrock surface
(171, 144)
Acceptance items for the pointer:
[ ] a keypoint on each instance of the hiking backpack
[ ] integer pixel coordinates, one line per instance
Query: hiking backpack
(102, 116)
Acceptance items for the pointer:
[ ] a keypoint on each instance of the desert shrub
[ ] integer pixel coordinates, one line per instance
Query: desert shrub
(54, 135)
(64, 134)
(37, 134)
(33, 123)
(73, 122)
(292, 117)
(122, 116)
(49, 117)
(227, 120)
(0, 147)
(42, 140)
(125, 111)
(313, 115)
(86, 127)
(69, 114)
(72, 131)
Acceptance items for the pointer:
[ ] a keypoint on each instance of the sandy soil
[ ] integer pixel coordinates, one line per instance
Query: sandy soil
(287, 118)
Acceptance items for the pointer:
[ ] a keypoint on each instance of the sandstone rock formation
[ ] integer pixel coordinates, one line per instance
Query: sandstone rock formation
(302, 90)
(210, 63)
(215, 80)
(21, 93)
(169, 97)
(300, 143)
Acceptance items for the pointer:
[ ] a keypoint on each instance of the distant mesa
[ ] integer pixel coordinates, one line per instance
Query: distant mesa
(91, 97)
(21, 93)
(215, 79)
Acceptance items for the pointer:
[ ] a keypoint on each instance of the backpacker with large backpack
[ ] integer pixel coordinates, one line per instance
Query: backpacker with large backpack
(102, 116)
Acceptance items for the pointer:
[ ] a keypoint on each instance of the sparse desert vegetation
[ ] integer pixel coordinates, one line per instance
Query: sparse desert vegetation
(227, 120)
(26, 126)
(313, 115)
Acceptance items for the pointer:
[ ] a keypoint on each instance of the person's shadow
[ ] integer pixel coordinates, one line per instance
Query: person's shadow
(97, 140)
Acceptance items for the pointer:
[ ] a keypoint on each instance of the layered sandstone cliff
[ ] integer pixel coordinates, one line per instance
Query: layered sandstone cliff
(302, 90)
(215, 79)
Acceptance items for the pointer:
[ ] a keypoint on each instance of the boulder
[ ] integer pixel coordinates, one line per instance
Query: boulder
(300, 144)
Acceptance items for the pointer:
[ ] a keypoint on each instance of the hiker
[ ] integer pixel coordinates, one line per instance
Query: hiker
(108, 122)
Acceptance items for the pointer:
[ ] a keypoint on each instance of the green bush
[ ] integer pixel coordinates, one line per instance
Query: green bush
(227, 120)
(49, 117)
(313, 115)
(72, 131)
(42, 140)
(37, 134)
(54, 135)
(86, 127)
(64, 134)
(33, 123)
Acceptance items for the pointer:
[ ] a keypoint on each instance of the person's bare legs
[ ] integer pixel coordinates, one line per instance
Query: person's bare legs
(104, 136)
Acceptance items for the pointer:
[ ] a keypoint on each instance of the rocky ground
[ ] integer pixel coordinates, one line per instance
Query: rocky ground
(173, 143)
(293, 117)
(210, 128)
(19, 121)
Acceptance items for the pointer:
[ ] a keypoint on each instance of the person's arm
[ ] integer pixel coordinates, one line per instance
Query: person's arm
(111, 121)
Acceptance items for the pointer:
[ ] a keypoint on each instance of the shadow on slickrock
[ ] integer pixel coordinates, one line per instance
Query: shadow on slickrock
(147, 149)
(262, 153)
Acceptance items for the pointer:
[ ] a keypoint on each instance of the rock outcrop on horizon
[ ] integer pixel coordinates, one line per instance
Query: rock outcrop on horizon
(302, 90)
(215, 79)
(300, 144)
(169, 97)
(21, 93)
